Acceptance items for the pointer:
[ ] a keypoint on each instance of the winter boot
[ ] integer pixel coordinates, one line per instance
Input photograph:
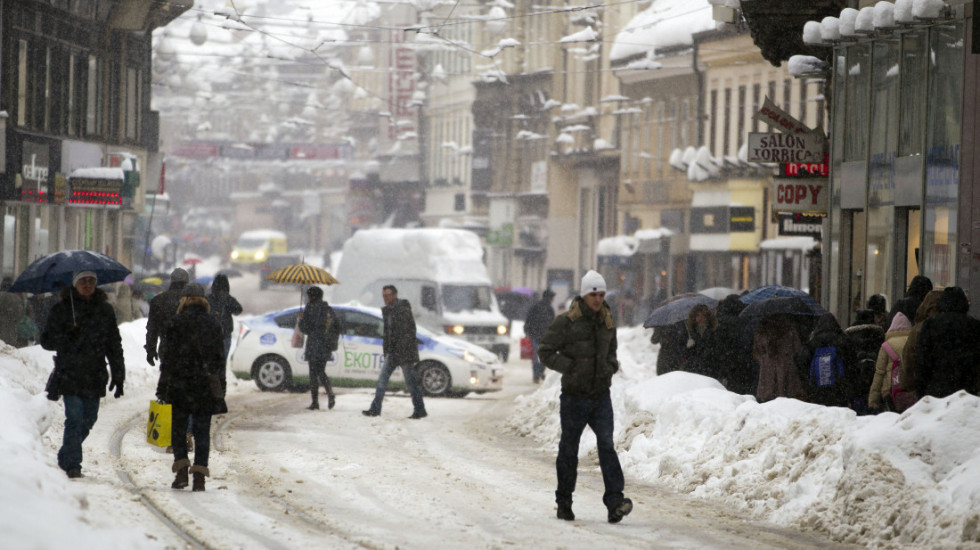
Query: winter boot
(315, 405)
(199, 473)
(620, 510)
(565, 512)
(180, 468)
(331, 401)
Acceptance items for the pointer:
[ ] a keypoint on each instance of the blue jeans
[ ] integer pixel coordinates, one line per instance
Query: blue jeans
(576, 414)
(537, 367)
(200, 426)
(80, 415)
(413, 386)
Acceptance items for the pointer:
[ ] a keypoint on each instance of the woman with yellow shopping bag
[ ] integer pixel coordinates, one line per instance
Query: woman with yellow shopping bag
(192, 380)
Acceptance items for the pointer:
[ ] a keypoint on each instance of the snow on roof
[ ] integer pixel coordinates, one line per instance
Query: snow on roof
(618, 245)
(446, 255)
(789, 243)
(664, 24)
(97, 173)
(262, 234)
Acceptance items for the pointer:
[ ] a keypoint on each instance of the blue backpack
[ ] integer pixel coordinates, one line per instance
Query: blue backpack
(826, 367)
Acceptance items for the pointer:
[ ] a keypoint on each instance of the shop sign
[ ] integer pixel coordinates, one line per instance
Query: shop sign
(34, 172)
(800, 225)
(742, 219)
(95, 191)
(799, 195)
(786, 148)
(781, 120)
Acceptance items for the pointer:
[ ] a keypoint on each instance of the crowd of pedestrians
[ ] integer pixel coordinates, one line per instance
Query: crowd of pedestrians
(927, 344)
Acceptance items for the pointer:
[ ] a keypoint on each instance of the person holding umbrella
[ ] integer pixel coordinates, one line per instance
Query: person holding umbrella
(82, 331)
(322, 329)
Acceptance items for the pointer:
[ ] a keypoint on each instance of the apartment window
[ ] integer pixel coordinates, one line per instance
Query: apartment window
(772, 90)
(726, 136)
(713, 123)
(804, 84)
(740, 137)
(787, 94)
(22, 82)
(459, 202)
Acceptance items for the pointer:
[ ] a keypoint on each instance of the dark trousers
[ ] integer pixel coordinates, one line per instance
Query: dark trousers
(318, 373)
(537, 367)
(411, 381)
(200, 428)
(80, 415)
(596, 413)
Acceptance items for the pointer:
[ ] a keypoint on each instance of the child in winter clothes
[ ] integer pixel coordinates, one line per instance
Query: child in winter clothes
(881, 386)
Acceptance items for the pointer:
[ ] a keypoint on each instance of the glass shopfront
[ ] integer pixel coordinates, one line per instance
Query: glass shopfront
(894, 163)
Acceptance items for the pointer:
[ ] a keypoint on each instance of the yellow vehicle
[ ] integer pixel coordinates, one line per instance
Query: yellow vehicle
(254, 247)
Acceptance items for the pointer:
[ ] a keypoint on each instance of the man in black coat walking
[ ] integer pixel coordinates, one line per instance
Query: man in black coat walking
(401, 349)
(322, 329)
(539, 318)
(163, 307)
(948, 352)
(223, 307)
(192, 380)
(581, 345)
(82, 330)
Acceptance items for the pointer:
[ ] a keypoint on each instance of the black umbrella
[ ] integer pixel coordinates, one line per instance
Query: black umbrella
(55, 271)
(767, 292)
(793, 305)
(677, 309)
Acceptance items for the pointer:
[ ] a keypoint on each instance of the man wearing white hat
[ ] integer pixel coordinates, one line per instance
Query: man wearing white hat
(581, 345)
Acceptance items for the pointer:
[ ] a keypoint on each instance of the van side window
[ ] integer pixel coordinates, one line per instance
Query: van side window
(429, 298)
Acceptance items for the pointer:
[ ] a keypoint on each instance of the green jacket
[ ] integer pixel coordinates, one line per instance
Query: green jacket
(581, 345)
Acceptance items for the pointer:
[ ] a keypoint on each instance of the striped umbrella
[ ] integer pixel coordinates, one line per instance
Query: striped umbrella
(302, 274)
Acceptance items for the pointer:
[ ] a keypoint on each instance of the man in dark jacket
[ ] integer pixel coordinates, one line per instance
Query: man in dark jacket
(223, 307)
(539, 318)
(192, 380)
(948, 352)
(82, 330)
(731, 348)
(581, 345)
(163, 307)
(322, 329)
(825, 385)
(401, 349)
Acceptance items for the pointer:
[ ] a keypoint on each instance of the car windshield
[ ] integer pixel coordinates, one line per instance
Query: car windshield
(250, 243)
(466, 298)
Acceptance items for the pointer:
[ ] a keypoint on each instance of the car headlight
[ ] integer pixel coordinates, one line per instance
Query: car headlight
(455, 330)
(502, 330)
(234, 254)
(474, 379)
(260, 255)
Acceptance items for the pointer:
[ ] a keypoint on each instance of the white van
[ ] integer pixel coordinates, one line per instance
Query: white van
(439, 271)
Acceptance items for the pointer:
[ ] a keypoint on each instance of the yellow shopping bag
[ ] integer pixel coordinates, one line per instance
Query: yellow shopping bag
(158, 424)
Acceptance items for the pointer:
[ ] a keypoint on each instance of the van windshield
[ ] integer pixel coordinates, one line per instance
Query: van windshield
(250, 243)
(466, 298)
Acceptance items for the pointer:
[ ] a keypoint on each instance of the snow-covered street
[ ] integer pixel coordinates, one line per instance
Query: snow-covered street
(705, 467)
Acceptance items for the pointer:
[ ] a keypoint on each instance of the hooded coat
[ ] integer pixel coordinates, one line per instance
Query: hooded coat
(827, 333)
(926, 309)
(321, 327)
(539, 318)
(730, 348)
(775, 345)
(948, 353)
(401, 344)
(896, 337)
(672, 340)
(195, 351)
(163, 307)
(581, 345)
(223, 305)
(699, 342)
(83, 334)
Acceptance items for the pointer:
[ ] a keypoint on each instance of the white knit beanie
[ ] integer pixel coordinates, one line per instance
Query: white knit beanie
(593, 282)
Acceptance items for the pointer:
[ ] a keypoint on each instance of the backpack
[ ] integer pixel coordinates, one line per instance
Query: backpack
(826, 367)
(901, 399)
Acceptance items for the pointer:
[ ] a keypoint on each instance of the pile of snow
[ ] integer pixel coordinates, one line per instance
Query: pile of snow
(886, 481)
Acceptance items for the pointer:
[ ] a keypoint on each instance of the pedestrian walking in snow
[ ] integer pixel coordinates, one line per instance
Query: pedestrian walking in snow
(82, 331)
(730, 348)
(775, 345)
(948, 355)
(223, 307)
(927, 309)
(192, 380)
(581, 345)
(866, 337)
(828, 350)
(322, 328)
(672, 340)
(401, 349)
(700, 329)
(879, 396)
(539, 318)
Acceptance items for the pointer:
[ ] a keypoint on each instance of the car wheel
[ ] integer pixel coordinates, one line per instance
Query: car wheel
(271, 373)
(434, 379)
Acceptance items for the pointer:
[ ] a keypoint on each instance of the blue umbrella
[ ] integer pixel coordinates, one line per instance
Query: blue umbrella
(776, 291)
(55, 271)
(677, 309)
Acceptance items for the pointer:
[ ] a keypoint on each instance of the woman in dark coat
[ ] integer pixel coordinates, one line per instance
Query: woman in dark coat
(322, 329)
(671, 339)
(828, 334)
(730, 348)
(223, 306)
(700, 325)
(192, 380)
(82, 330)
(948, 354)
(775, 345)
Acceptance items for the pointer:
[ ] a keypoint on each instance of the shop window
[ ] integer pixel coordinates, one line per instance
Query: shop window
(913, 92)
(857, 78)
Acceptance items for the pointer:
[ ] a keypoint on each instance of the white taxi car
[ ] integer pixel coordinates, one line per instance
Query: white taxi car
(448, 366)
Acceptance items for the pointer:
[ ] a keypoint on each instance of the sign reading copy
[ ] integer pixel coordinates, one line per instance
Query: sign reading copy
(799, 195)
(786, 148)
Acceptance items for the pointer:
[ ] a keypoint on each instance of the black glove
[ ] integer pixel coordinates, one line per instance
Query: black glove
(118, 387)
(151, 356)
